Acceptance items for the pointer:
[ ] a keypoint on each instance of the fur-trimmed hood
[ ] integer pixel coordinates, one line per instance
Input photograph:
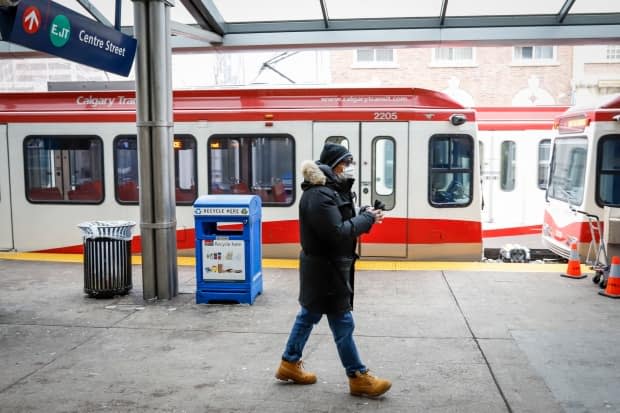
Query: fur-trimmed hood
(317, 174)
(312, 173)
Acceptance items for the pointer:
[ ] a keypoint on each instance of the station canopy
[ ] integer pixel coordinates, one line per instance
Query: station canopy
(201, 25)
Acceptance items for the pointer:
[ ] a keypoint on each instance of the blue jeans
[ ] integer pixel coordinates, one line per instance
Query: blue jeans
(341, 325)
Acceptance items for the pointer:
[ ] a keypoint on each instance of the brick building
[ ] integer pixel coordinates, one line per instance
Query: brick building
(489, 76)
(475, 76)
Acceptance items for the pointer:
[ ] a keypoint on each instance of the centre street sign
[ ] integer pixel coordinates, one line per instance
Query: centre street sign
(49, 27)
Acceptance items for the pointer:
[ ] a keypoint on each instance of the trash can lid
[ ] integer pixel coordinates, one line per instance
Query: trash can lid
(120, 230)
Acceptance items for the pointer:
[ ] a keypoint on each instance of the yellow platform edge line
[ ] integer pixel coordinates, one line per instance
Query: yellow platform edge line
(361, 265)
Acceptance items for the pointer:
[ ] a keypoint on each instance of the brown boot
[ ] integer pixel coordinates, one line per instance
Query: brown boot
(365, 384)
(295, 372)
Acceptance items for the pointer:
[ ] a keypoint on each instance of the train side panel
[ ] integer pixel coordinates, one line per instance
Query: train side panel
(280, 227)
(82, 164)
(514, 169)
(50, 225)
(447, 216)
(6, 234)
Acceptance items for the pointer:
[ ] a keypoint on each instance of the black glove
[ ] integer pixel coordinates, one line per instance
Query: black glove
(379, 205)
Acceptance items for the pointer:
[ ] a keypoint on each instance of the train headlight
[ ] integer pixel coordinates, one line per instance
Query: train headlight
(458, 119)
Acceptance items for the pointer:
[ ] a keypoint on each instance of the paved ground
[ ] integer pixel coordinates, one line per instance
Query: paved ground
(451, 341)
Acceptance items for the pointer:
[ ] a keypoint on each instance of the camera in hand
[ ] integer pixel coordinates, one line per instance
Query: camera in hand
(378, 205)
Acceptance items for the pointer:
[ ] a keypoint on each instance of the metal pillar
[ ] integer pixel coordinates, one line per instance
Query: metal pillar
(155, 151)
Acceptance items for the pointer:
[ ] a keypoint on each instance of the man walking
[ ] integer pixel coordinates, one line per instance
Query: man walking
(329, 228)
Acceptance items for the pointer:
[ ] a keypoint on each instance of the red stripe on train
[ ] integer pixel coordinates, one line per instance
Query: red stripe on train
(391, 231)
(578, 230)
(506, 232)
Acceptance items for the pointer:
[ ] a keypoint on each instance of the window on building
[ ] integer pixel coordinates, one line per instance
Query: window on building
(507, 166)
(453, 56)
(613, 52)
(253, 164)
(608, 171)
(567, 170)
(375, 58)
(451, 170)
(534, 54)
(544, 152)
(126, 169)
(64, 169)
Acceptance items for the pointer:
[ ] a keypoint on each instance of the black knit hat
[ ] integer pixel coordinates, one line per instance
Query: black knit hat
(332, 154)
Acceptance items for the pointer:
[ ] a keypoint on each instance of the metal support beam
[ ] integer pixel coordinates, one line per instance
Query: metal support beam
(155, 149)
(564, 10)
(442, 14)
(117, 15)
(325, 14)
(206, 15)
(94, 11)
(195, 33)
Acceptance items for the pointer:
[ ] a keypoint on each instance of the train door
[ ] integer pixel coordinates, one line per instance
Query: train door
(6, 234)
(503, 193)
(380, 150)
(487, 175)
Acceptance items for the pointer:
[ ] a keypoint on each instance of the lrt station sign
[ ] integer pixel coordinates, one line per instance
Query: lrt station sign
(49, 27)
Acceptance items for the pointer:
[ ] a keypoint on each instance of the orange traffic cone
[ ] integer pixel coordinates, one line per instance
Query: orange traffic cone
(613, 281)
(574, 266)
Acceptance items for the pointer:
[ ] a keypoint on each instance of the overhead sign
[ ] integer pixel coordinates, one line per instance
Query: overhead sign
(49, 27)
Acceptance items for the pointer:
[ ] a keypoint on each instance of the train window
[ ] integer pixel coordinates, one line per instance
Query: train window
(544, 152)
(338, 140)
(253, 164)
(608, 171)
(65, 169)
(383, 172)
(507, 166)
(185, 187)
(567, 170)
(451, 159)
(126, 169)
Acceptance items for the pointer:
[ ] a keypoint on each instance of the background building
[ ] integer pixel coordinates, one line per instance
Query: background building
(475, 76)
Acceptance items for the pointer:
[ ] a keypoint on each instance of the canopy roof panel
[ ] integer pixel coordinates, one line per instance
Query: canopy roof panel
(276, 24)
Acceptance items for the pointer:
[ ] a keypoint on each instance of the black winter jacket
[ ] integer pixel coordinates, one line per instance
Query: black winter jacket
(328, 231)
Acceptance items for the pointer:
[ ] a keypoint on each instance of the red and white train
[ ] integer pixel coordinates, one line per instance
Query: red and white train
(584, 177)
(443, 171)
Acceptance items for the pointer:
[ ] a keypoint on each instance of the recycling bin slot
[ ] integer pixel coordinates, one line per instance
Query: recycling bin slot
(222, 228)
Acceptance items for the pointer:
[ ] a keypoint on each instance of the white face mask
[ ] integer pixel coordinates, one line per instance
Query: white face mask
(349, 172)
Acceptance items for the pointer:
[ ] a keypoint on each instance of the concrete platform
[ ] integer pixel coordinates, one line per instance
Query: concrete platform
(451, 341)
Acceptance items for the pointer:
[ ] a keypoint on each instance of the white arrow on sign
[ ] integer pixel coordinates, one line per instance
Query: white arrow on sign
(32, 20)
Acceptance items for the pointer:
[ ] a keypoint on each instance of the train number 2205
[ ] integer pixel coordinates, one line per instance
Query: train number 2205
(386, 115)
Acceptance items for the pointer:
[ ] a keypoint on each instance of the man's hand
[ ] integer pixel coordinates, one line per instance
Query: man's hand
(378, 214)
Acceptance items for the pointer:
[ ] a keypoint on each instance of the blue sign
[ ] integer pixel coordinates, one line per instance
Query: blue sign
(54, 29)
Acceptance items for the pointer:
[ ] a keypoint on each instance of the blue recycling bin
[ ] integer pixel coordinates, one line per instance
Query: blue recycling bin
(228, 248)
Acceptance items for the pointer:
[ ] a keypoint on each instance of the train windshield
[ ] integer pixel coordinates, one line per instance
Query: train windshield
(608, 171)
(568, 167)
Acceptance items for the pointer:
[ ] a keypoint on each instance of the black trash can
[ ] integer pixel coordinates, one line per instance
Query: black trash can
(107, 257)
